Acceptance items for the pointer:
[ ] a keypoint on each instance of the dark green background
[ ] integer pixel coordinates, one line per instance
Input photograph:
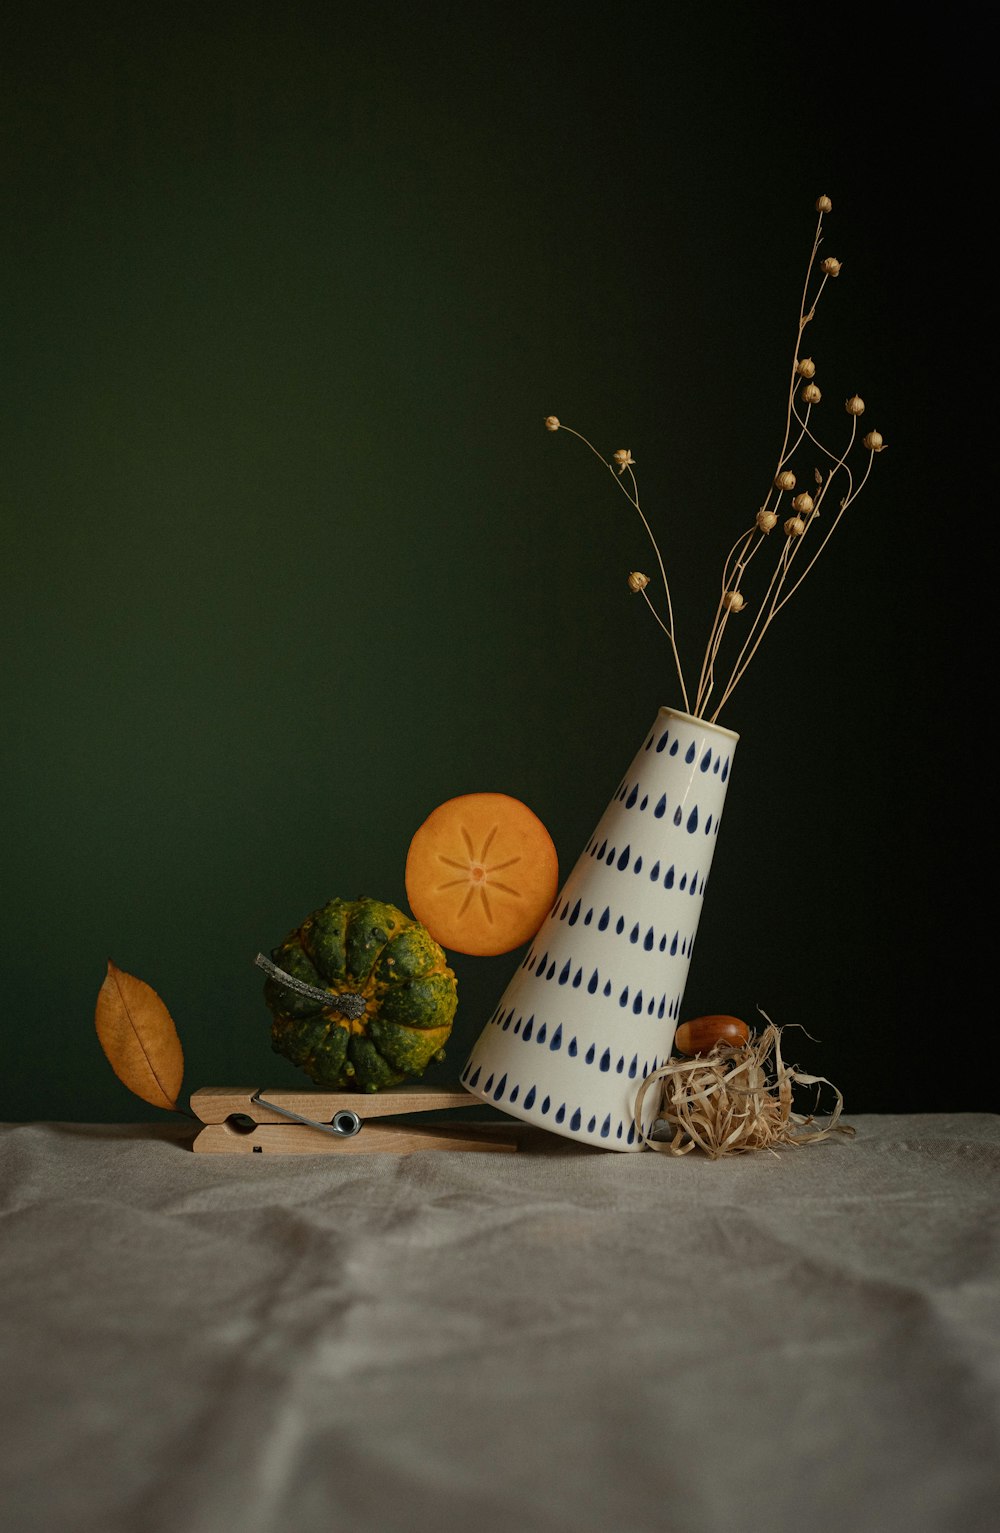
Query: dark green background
(288, 558)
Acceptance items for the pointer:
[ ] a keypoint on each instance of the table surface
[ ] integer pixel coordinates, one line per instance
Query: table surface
(559, 1339)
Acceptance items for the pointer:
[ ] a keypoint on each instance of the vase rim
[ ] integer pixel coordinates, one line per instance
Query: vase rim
(689, 718)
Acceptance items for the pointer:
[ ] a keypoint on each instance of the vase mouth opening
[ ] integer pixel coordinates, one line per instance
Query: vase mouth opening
(689, 718)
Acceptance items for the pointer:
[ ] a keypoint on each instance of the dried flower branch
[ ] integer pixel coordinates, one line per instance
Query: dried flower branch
(790, 565)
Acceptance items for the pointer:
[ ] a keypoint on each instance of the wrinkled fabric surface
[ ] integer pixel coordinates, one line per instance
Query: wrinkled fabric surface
(560, 1339)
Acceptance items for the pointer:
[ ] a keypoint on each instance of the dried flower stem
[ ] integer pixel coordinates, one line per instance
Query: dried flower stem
(791, 565)
(633, 499)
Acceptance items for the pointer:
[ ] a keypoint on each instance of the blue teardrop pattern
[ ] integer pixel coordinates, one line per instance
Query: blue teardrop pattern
(602, 854)
(690, 884)
(639, 1002)
(622, 855)
(577, 1114)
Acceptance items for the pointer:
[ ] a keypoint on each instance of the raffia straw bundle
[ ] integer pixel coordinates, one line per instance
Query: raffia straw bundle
(732, 1100)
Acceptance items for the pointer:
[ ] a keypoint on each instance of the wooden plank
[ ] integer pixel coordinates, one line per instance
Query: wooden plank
(373, 1138)
(214, 1104)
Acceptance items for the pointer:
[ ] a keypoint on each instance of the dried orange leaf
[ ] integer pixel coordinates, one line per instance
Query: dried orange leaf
(137, 1033)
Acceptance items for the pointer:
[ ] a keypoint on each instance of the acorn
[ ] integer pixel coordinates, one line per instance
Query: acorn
(702, 1034)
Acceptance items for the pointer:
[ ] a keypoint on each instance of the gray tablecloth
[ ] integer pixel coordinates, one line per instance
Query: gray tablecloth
(561, 1339)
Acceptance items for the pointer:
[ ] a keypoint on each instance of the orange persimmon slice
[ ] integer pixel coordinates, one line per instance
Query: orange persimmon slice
(482, 873)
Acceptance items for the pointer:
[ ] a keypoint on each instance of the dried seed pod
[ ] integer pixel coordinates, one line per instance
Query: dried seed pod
(873, 441)
(623, 458)
(831, 266)
(806, 367)
(766, 519)
(733, 601)
(855, 405)
(703, 1033)
(824, 205)
(552, 423)
(795, 527)
(802, 503)
(785, 480)
(637, 581)
(811, 394)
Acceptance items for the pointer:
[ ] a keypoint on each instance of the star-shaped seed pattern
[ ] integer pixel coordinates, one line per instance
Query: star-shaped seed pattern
(478, 874)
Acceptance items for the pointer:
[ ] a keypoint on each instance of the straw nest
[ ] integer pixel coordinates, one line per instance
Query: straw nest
(734, 1099)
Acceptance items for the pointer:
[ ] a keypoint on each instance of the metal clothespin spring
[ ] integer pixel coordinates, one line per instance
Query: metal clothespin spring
(344, 1123)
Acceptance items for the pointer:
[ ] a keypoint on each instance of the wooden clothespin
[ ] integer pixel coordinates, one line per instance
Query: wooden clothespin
(242, 1120)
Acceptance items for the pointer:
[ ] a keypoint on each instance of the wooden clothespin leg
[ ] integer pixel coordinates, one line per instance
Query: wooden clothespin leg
(243, 1120)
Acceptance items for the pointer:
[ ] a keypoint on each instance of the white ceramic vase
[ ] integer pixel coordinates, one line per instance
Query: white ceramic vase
(593, 1007)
